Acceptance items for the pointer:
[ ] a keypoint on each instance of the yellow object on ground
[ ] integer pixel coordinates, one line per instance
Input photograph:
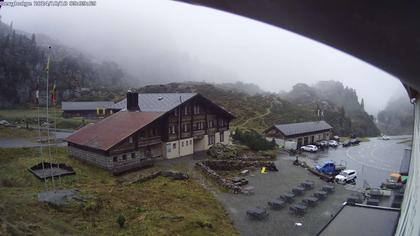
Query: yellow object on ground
(263, 170)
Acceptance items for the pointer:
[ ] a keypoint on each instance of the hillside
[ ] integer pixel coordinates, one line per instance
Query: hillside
(24, 60)
(261, 111)
(397, 117)
(339, 105)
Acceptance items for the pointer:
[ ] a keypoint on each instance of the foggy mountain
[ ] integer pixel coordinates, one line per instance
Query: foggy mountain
(333, 97)
(397, 118)
(24, 61)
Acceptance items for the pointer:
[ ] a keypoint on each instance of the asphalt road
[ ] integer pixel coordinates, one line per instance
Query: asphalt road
(22, 142)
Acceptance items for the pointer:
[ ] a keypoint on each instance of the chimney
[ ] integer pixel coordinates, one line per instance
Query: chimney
(132, 101)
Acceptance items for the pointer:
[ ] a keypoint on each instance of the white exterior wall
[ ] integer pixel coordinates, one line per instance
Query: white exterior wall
(201, 144)
(226, 135)
(180, 149)
(198, 145)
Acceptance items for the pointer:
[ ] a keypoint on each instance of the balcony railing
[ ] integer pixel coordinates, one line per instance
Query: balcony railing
(149, 141)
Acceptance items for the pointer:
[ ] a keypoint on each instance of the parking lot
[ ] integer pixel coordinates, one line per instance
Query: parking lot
(373, 161)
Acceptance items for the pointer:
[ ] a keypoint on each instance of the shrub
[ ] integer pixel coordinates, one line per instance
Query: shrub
(121, 220)
(253, 140)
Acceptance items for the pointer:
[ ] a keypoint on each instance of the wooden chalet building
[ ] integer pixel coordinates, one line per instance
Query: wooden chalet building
(146, 127)
(302, 133)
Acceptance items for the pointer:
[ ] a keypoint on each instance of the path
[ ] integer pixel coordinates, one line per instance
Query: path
(268, 111)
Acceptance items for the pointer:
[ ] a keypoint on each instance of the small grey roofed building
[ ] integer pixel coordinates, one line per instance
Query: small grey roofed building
(156, 102)
(85, 106)
(302, 128)
(303, 133)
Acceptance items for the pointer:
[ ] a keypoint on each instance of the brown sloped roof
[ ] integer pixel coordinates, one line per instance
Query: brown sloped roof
(110, 131)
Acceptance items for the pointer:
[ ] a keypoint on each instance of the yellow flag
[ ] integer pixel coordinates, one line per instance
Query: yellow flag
(47, 67)
(263, 170)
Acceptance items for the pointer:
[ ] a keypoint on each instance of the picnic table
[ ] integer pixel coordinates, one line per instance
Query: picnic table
(373, 202)
(328, 188)
(257, 213)
(352, 199)
(298, 208)
(320, 194)
(248, 190)
(298, 190)
(308, 184)
(375, 193)
(288, 197)
(310, 201)
(276, 204)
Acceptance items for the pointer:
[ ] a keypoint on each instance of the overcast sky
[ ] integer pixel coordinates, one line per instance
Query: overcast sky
(159, 40)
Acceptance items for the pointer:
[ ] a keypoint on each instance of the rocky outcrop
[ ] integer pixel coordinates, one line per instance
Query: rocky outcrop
(222, 151)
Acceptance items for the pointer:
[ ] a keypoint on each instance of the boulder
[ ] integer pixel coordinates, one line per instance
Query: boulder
(176, 175)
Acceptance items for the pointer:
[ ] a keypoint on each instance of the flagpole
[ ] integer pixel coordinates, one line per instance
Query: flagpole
(39, 135)
(48, 123)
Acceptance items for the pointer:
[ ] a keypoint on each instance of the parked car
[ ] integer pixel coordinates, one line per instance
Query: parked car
(346, 143)
(346, 176)
(309, 148)
(354, 141)
(385, 138)
(4, 122)
(333, 143)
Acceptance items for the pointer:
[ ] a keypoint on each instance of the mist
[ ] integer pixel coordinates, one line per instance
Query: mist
(166, 41)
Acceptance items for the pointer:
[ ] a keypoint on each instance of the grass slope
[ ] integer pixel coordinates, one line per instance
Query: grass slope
(158, 207)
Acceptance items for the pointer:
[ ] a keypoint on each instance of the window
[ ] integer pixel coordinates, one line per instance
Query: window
(186, 110)
(196, 109)
(115, 159)
(174, 146)
(185, 127)
(222, 137)
(176, 112)
(124, 157)
(182, 143)
(190, 142)
(133, 155)
(211, 139)
(210, 125)
(171, 129)
(168, 147)
(130, 139)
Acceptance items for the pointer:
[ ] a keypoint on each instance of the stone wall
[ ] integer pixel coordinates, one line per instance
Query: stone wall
(226, 165)
(124, 161)
(91, 157)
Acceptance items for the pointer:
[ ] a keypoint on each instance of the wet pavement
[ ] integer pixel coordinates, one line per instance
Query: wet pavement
(282, 222)
(373, 160)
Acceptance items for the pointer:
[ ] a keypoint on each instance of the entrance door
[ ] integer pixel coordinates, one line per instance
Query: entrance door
(299, 142)
(305, 141)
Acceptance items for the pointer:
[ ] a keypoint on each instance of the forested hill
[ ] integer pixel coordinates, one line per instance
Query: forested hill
(397, 118)
(261, 111)
(23, 61)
